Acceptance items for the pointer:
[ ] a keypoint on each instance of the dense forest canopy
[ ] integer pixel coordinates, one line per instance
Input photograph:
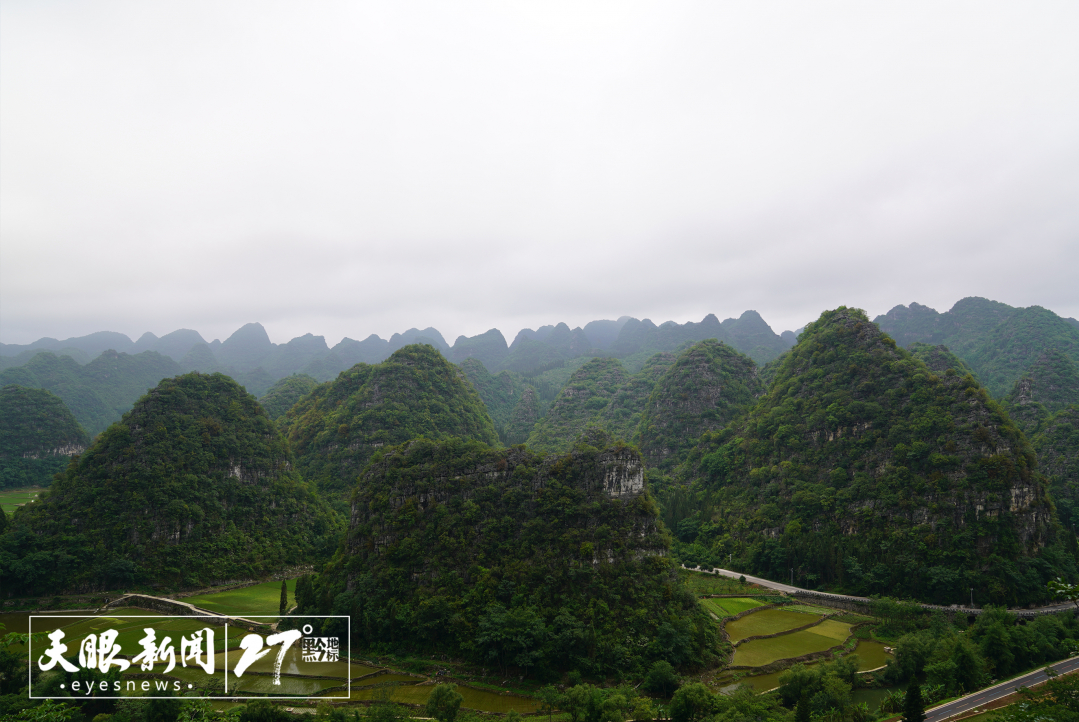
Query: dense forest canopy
(193, 486)
(512, 559)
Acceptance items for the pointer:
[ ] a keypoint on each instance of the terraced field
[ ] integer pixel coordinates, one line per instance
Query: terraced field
(258, 599)
(767, 621)
(736, 605)
(760, 652)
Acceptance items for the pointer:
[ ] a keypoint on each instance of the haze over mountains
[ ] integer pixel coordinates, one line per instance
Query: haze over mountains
(250, 352)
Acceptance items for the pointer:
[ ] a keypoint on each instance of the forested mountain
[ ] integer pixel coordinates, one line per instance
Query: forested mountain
(579, 404)
(622, 415)
(38, 436)
(1049, 385)
(708, 385)
(523, 418)
(863, 469)
(997, 341)
(1044, 403)
(1057, 444)
(283, 395)
(193, 486)
(535, 564)
(500, 393)
(99, 392)
(336, 428)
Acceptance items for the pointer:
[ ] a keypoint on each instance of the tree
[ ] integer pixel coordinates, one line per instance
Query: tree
(549, 699)
(1062, 590)
(661, 679)
(691, 703)
(913, 707)
(284, 597)
(801, 713)
(444, 702)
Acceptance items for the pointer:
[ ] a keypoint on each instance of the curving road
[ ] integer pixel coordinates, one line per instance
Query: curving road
(780, 587)
(991, 694)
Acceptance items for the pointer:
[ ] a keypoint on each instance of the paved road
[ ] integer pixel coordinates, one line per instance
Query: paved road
(778, 586)
(990, 694)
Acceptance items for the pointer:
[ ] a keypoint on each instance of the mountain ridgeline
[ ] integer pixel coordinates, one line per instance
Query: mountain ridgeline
(513, 560)
(101, 391)
(193, 486)
(998, 342)
(864, 470)
(38, 436)
(336, 428)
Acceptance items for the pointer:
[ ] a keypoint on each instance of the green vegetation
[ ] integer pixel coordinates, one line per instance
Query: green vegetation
(512, 560)
(513, 403)
(38, 436)
(99, 392)
(863, 470)
(703, 390)
(622, 415)
(256, 599)
(737, 605)
(524, 417)
(579, 404)
(415, 393)
(767, 621)
(959, 659)
(284, 394)
(1057, 445)
(12, 498)
(599, 394)
(939, 359)
(760, 652)
(193, 485)
(999, 342)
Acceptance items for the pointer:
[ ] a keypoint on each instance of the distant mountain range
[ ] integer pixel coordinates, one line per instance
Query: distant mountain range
(249, 356)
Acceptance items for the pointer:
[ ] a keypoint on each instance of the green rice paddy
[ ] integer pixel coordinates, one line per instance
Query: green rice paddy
(259, 599)
(766, 621)
(12, 498)
(737, 605)
(760, 652)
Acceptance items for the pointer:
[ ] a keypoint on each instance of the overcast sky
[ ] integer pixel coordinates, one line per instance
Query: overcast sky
(357, 167)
